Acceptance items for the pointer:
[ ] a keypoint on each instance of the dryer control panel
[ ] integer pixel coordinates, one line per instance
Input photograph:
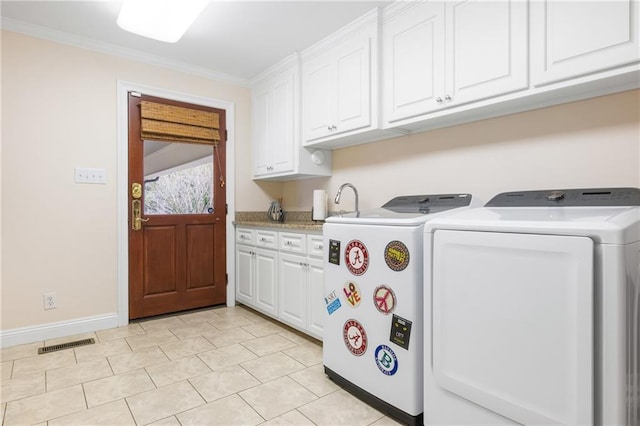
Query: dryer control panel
(591, 197)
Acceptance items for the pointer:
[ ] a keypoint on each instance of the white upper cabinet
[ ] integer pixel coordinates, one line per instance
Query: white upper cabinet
(337, 89)
(273, 126)
(486, 49)
(438, 55)
(571, 39)
(340, 87)
(413, 64)
(276, 127)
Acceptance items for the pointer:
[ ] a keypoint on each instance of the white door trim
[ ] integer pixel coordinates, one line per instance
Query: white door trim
(124, 87)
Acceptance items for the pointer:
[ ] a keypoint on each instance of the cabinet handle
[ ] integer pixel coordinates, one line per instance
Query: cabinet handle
(317, 246)
(439, 100)
(447, 98)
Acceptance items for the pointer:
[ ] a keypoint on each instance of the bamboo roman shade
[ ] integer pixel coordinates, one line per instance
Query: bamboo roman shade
(177, 124)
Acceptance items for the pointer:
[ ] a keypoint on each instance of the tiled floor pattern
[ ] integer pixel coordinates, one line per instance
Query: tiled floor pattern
(224, 366)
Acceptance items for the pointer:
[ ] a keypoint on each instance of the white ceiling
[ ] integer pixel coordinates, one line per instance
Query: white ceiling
(233, 40)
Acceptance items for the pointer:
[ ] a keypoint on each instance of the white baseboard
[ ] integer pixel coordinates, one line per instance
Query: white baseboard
(19, 336)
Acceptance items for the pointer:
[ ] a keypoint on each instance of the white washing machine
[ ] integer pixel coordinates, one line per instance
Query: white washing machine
(372, 340)
(533, 310)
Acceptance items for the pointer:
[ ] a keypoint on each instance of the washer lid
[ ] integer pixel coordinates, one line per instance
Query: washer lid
(406, 210)
(612, 225)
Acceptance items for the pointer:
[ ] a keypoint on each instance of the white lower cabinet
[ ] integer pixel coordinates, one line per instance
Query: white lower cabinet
(266, 281)
(316, 310)
(293, 290)
(286, 282)
(301, 303)
(256, 271)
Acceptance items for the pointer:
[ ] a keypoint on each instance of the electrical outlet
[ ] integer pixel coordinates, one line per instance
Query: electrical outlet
(49, 300)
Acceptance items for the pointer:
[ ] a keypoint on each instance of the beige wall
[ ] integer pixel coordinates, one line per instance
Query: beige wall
(591, 143)
(59, 112)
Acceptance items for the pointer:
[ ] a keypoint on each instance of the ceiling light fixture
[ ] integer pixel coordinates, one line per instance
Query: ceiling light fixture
(164, 20)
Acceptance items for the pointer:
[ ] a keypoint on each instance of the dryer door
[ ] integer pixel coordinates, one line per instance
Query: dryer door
(512, 323)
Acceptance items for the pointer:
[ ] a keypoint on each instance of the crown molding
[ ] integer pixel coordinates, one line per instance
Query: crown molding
(61, 37)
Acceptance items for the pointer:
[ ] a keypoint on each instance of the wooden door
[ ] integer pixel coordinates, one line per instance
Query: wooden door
(177, 259)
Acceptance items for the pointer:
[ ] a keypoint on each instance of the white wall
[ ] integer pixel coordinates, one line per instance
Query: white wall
(59, 112)
(591, 143)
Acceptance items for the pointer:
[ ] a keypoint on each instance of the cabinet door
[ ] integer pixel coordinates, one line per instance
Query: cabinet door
(315, 298)
(337, 89)
(486, 49)
(353, 85)
(413, 65)
(261, 111)
(266, 298)
(245, 274)
(319, 97)
(569, 39)
(293, 290)
(282, 126)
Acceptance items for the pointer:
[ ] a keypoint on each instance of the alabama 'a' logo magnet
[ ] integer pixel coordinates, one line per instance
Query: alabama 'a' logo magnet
(355, 338)
(356, 257)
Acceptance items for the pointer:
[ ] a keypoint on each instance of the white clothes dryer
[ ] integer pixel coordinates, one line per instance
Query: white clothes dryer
(532, 309)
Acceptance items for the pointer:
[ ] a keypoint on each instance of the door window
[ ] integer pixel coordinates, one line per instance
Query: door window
(178, 178)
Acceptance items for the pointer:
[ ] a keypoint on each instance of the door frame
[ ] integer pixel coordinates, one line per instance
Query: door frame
(122, 179)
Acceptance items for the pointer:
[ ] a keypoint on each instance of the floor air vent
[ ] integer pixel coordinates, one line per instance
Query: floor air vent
(69, 345)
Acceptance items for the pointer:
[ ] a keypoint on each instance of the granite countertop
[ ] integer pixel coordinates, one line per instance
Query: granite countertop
(292, 220)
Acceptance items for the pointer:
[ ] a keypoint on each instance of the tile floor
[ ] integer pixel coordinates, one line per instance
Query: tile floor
(221, 366)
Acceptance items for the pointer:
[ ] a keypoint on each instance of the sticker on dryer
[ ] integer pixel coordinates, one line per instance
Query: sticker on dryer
(352, 294)
(334, 252)
(333, 302)
(357, 257)
(396, 255)
(384, 299)
(386, 360)
(400, 332)
(355, 338)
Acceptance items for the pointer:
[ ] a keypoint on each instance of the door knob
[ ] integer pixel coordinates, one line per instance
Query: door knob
(136, 215)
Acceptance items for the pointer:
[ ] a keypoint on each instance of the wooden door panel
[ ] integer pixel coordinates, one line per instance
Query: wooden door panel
(161, 275)
(200, 252)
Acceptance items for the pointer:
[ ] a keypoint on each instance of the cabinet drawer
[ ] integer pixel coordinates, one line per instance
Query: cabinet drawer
(296, 243)
(245, 236)
(266, 239)
(314, 245)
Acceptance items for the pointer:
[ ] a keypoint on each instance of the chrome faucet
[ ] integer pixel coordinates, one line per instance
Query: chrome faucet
(355, 191)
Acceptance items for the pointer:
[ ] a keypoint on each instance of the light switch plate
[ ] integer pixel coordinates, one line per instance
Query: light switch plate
(87, 175)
